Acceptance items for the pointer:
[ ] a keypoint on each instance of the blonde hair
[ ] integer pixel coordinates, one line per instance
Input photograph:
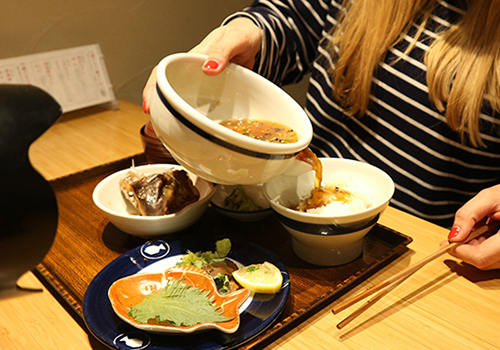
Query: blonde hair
(463, 63)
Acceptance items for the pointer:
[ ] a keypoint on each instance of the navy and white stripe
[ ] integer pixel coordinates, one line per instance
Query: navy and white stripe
(402, 133)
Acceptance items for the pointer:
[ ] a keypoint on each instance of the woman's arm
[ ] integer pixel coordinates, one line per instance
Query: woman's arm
(282, 35)
(239, 41)
(291, 31)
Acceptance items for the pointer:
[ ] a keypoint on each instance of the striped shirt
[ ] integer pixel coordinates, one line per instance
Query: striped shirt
(402, 132)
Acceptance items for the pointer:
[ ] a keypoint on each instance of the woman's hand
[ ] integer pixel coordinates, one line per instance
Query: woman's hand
(239, 41)
(482, 252)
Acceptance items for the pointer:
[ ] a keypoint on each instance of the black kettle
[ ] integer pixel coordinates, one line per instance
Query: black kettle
(28, 207)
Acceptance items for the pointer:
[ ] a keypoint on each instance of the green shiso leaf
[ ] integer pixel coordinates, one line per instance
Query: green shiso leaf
(178, 304)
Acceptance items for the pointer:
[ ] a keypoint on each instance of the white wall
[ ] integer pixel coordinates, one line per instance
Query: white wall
(134, 35)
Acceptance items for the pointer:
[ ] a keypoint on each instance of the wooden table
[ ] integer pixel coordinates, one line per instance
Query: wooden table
(446, 305)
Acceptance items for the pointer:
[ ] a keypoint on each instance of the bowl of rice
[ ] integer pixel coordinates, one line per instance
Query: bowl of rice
(331, 234)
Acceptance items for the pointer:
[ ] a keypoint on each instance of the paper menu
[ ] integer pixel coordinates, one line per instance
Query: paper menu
(77, 77)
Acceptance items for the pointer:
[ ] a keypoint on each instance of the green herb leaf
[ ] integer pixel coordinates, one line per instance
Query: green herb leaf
(223, 247)
(222, 283)
(178, 304)
(252, 268)
(202, 259)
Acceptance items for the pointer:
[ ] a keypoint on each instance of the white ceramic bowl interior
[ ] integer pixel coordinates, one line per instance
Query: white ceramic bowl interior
(108, 197)
(329, 240)
(254, 192)
(188, 106)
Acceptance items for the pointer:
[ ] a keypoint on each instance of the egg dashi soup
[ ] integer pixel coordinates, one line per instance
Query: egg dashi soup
(262, 130)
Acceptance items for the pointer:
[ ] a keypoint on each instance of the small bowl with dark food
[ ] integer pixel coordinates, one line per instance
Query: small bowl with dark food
(153, 200)
(241, 202)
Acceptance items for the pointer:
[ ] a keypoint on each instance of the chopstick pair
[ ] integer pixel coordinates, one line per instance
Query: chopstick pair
(392, 282)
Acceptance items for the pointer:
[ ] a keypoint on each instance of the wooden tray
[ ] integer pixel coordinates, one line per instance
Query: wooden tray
(86, 242)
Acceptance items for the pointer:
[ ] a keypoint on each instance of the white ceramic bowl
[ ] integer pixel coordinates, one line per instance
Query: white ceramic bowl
(329, 240)
(254, 192)
(108, 197)
(188, 106)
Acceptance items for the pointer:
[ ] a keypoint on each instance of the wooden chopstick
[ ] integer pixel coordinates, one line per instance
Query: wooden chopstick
(383, 292)
(392, 282)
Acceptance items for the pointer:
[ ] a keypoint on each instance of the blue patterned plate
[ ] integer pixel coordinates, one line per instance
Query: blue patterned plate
(257, 315)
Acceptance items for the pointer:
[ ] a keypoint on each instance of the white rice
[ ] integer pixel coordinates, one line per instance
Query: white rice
(361, 196)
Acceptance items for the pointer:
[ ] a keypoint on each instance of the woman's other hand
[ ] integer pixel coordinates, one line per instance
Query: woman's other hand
(238, 41)
(482, 252)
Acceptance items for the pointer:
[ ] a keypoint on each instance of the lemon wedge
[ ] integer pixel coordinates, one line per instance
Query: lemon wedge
(262, 278)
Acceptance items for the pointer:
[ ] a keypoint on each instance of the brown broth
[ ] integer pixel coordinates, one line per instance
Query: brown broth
(324, 195)
(320, 195)
(262, 130)
(308, 156)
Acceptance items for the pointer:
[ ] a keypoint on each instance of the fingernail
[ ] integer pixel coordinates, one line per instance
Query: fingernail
(211, 64)
(145, 107)
(455, 230)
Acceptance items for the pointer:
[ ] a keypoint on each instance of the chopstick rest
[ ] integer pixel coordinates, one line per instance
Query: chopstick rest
(392, 282)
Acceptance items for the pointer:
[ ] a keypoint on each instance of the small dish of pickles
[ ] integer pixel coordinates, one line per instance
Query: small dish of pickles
(245, 203)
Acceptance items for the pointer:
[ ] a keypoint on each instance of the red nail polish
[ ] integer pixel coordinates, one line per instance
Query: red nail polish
(145, 107)
(454, 232)
(211, 64)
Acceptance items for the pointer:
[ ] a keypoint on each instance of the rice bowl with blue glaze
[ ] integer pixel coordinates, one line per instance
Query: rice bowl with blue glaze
(331, 235)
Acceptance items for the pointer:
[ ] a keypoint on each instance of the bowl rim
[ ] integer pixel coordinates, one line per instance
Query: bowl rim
(208, 128)
(105, 209)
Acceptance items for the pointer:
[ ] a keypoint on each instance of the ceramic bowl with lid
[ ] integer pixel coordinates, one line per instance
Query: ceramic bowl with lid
(153, 148)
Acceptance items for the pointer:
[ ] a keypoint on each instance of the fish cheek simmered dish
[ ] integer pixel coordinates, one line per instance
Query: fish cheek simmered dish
(159, 194)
